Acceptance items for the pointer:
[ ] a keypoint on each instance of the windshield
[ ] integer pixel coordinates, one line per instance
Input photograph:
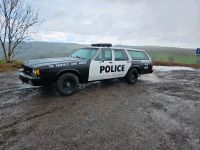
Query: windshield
(85, 53)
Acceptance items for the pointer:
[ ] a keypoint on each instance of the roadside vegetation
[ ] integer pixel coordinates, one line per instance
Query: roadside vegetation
(165, 63)
(174, 57)
(14, 66)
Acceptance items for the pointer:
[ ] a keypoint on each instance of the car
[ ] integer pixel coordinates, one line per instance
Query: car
(94, 63)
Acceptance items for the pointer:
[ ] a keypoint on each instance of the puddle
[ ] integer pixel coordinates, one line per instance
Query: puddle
(150, 78)
(171, 68)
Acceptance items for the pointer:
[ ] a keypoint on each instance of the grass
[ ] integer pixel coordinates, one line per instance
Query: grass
(173, 57)
(2, 62)
(17, 62)
(10, 66)
(162, 63)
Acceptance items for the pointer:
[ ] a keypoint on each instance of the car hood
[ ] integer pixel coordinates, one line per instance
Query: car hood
(50, 61)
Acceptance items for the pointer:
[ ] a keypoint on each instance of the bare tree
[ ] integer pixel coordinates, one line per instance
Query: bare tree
(16, 19)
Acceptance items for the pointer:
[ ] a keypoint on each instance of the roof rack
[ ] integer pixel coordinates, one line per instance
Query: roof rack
(102, 45)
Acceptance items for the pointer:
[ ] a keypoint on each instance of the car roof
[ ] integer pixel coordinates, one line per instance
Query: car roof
(127, 48)
(113, 47)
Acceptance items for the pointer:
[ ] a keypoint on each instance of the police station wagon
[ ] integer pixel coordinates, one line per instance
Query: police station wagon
(94, 63)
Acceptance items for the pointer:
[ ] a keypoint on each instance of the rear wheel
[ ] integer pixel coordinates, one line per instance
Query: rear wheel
(132, 76)
(67, 84)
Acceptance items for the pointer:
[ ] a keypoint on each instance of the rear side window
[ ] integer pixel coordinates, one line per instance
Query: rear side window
(120, 55)
(105, 54)
(138, 55)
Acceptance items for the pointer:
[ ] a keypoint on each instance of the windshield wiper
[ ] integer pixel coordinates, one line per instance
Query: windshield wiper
(78, 57)
(75, 56)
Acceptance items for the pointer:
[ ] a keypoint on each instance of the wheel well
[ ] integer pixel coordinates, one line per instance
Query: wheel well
(138, 69)
(68, 71)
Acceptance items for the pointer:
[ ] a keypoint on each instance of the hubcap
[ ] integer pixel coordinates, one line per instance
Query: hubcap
(68, 86)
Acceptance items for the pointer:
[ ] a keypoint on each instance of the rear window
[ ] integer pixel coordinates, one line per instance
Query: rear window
(138, 55)
(120, 55)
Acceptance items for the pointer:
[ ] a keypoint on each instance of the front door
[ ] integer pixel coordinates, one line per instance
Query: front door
(100, 67)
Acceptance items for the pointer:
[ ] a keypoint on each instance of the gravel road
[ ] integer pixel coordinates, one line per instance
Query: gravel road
(161, 111)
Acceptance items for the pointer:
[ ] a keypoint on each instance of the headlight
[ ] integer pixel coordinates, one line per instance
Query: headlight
(36, 72)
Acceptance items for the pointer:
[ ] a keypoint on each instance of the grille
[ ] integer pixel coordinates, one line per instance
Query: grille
(27, 70)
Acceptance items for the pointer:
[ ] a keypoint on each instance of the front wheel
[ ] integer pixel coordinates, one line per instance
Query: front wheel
(67, 84)
(132, 76)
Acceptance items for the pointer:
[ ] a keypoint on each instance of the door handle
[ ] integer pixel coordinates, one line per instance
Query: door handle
(111, 62)
(128, 61)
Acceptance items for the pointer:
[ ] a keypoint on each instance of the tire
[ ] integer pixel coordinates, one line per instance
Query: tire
(67, 84)
(132, 76)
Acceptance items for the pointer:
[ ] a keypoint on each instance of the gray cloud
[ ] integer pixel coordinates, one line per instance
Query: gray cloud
(134, 22)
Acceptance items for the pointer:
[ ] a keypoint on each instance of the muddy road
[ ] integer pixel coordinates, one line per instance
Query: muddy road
(161, 111)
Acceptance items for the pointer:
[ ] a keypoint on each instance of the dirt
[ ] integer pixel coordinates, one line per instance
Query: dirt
(9, 67)
(161, 111)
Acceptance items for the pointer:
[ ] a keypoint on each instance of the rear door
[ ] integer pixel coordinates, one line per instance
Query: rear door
(142, 59)
(100, 66)
(121, 63)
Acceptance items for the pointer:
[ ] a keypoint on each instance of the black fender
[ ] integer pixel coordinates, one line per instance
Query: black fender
(76, 72)
(135, 66)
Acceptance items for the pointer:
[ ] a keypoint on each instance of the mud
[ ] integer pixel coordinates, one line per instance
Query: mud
(161, 111)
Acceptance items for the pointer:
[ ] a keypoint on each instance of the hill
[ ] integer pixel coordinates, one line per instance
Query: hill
(35, 50)
(169, 54)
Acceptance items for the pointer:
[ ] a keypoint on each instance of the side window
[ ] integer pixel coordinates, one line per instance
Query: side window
(120, 55)
(138, 55)
(105, 54)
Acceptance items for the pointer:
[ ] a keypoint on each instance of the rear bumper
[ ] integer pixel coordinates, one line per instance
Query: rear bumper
(35, 81)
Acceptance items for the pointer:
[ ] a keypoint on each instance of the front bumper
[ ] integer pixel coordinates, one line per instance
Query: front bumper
(35, 81)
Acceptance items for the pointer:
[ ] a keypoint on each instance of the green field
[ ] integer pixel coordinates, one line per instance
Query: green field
(17, 62)
(169, 54)
(173, 57)
(2, 61)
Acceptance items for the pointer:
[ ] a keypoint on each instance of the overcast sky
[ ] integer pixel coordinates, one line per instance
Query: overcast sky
(130, 22)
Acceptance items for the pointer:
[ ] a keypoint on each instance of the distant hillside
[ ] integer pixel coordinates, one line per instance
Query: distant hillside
(157, 48)
(35, 50)
(168, 54)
